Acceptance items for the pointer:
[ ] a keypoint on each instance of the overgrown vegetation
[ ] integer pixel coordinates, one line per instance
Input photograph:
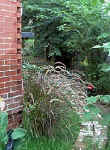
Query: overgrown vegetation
(68, 30)
(47, 115)
(77, 34)
(43, 143)
(5, 141)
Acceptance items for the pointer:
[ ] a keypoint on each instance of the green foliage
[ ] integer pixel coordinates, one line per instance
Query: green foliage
(92, 111)
(47, 115)
(43, 143)
(28, 48)
(30, 70)
(104, 66)
(18, 133)
(66, 26)
(90, 145)
(105, 46)
(71, 29)
(101, 98)
(3, 128)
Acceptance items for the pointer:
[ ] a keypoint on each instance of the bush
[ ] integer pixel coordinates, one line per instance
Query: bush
(43, 143)
(68, 30)
(48, 116)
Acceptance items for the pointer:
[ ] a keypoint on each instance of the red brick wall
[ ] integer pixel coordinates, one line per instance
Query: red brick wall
(10, 57)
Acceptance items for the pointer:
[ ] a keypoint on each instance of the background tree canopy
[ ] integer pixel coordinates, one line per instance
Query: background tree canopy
(68, 30)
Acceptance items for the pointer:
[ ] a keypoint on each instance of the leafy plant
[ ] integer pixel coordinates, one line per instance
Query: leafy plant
(67, 28)
(92, 111)
(43, 143)
(45, 115)
(17, 133)
(3, 129)
(68, 31)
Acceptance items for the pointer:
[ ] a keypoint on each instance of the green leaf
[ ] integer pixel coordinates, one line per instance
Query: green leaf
(94, 2)
(91, 112)
(88, 116)
(106, 119)
(98, 46)
(18, 133)
(105, 98)
(94, 109)
(106, 45)
(3, 119)
(91, 100)
(58, 53)
(102, 1)
(104, 67)
(3, 127)
(104, 35)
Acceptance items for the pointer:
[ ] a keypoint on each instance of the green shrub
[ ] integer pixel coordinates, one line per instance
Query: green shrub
(69, 29)
(48, 116)
(43, 143)
(28, 47)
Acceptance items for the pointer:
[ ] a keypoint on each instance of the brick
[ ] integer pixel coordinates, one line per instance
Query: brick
(1, 74)
(10, 58)
(15, 88)
(4, 68)
(4, 79)
(2, 57)
(19, 71)
(11, 62)
(4, 96)
(11, 51)
(18, 77)
(10, 83)
(9, 41)
(12, 94)
(2, 85)
(15, 111)
(18, 25)
(19, 61)
(9, 101)
(18, 99)
(18, 35)
(13, 56)
(7, 7)
(1, 62)
(18, 51)
(10, 13)
(19, 56)
(19, 82)
(2, 51)
(5, 90)
(14, 105)
(10, 73)
(13, 67)
(7, 34)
